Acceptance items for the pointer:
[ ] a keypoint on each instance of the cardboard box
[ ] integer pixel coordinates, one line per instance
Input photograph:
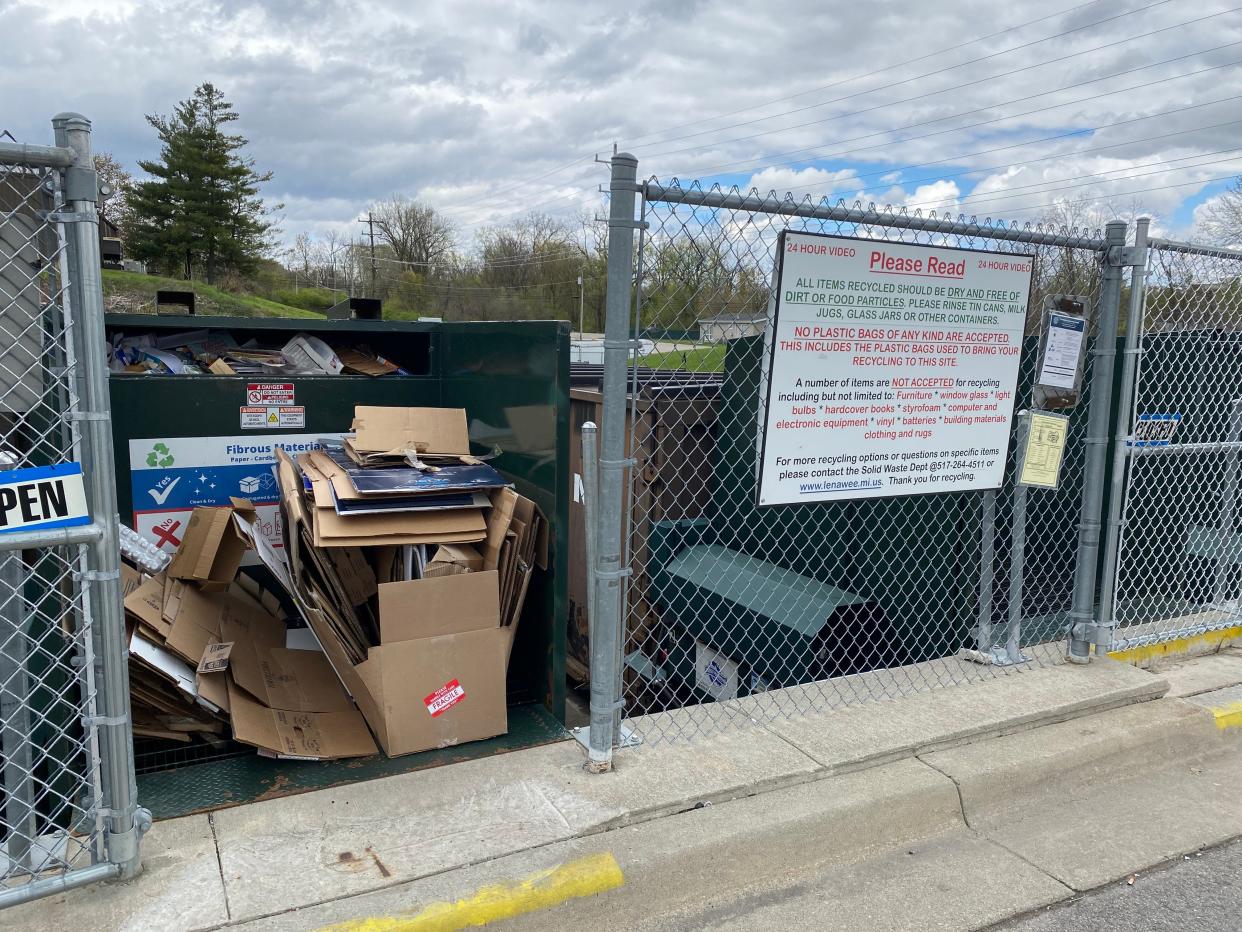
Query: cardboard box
(212, 549)
(437, 678)
(452, 560)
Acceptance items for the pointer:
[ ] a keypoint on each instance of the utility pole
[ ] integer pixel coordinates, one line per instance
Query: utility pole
(581, 304)
(370, 222)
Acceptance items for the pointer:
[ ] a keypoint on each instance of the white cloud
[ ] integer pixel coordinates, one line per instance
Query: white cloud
(817, 182)
(490, 109)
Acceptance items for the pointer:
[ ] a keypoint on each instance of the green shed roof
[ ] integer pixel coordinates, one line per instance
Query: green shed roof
(788, 598)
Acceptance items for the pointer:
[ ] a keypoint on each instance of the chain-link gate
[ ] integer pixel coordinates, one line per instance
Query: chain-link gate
(1179, 541)
(781, 611)
(66, 777)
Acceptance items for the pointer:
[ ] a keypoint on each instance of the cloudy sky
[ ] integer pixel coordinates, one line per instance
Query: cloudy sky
(493, 108)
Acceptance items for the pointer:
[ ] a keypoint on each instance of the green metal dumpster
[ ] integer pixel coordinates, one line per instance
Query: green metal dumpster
(187, 440)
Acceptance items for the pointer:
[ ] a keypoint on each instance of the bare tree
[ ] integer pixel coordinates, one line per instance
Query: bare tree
(414, 232)
(1221, 221)
(114, 205)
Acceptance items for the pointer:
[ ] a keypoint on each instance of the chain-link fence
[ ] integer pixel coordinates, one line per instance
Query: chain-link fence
(736, 609)
(66, 777)
(1179, 541)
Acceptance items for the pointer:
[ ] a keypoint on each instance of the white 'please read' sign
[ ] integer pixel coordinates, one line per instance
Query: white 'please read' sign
(891, 369)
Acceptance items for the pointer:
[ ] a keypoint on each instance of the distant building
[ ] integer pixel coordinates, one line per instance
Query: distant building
(725, 327)
(111, 254)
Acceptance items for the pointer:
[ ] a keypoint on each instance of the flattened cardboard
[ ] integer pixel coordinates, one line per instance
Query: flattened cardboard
(211, 550)
(422, 608)
(146, 603)
(424, 430)
(131, 579)
(432, 527)
(202, 616)
(298, 735)
(503, 503)
(215, 658)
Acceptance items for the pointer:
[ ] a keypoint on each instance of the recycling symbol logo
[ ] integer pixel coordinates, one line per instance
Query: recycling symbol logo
(160, 456)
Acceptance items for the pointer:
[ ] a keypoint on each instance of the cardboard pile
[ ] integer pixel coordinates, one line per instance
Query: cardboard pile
(207, 647)
(408, 559)
(412, 577)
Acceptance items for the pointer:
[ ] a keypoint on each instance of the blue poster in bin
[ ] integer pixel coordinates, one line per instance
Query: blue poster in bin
(42, 497)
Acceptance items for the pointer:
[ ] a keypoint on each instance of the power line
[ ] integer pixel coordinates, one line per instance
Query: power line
(869, 74)
(807, 154)
(822, 156)
(814, 90)
(1043, 158)
(966, 84)
(1040, 64)
(1004, 74)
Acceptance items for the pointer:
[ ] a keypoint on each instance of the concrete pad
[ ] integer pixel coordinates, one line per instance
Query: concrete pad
(1096, 836)
(179, 888)
(883, 731)
(997, 777)
(1191, 676)
(306, 849)
(711, 852)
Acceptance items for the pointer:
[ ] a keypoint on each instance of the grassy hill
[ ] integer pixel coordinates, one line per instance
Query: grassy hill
(134, 293)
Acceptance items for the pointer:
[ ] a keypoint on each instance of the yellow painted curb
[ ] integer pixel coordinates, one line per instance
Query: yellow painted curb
(584, 877)
(1204, 643)
(1228, 716)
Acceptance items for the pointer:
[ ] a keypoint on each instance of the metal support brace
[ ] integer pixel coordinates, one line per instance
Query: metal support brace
(1085, 628)
(608, 634)
(1101, 635)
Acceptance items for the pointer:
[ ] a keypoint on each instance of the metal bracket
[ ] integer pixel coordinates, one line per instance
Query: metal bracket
(614, 574)
(1135, 256)
(633, 224)
(629, 737)
(88, 416)
(81, 184)
(629, 461)
(100, 575)
(68, 216)
(96, 721)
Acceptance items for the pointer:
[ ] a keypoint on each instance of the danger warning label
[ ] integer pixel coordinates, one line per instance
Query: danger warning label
(254, 417)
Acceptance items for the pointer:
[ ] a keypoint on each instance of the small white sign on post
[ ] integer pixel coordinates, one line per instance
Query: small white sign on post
(891, 369)
(42, 497)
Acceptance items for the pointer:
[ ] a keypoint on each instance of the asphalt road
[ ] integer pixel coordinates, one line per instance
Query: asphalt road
(1201, 893)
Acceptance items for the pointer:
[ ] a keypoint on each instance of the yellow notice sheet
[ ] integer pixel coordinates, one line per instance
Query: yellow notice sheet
(1040, 463)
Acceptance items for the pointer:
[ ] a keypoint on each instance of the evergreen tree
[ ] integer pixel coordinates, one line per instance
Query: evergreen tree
(200, 212)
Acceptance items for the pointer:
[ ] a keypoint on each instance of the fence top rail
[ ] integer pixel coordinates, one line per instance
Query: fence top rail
(1172, 245)
(19, 153)
(821, 210)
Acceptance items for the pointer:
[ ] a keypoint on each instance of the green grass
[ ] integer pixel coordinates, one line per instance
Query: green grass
(698, 359)
(134, 293)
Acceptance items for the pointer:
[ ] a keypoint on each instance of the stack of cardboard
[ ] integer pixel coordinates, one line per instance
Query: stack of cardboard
(208, 647)
(410, 561)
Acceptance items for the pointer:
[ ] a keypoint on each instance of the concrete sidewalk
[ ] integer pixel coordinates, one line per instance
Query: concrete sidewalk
(851, 783)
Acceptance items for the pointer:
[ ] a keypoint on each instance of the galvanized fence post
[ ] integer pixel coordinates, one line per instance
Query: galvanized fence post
(125, 822)
(606, 634)
(1125, 404)
(1085, 628)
